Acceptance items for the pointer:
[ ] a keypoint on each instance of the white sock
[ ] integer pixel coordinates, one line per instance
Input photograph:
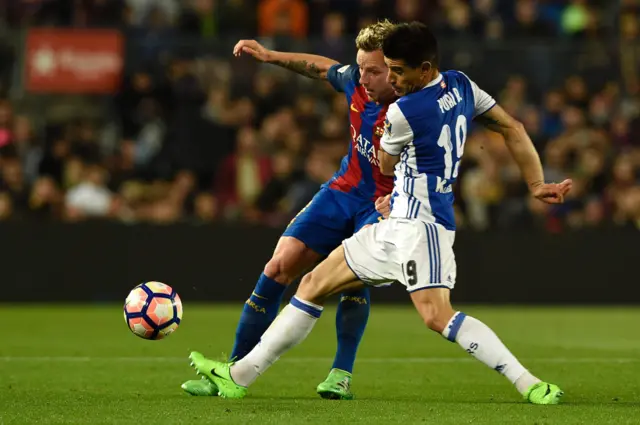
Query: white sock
(481, 342)
(291, 327)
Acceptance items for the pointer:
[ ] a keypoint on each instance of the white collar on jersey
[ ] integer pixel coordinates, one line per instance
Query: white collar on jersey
(434, 81)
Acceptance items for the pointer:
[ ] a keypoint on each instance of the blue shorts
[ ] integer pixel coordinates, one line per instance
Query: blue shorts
(331, 217)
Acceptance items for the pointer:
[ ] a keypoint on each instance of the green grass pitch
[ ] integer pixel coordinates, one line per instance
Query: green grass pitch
(61, 364)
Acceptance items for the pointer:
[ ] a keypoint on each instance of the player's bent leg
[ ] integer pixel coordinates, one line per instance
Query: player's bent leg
(481, 342)
(290, 259)
(330, 277)
(292, 326)
(334, 276)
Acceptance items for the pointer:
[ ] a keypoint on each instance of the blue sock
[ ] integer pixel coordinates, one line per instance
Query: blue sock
(259, 311)
(351, 319)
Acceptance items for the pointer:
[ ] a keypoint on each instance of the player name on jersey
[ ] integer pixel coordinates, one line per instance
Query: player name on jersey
(428, 129)
(449, 100)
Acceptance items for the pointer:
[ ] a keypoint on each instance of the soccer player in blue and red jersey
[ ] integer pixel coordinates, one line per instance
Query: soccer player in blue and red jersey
(425, 134)
(344, 205)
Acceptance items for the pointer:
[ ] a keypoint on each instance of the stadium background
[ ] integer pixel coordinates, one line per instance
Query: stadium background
(134, 146)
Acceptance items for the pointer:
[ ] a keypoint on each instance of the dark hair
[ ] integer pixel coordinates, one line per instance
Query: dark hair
(412, 43)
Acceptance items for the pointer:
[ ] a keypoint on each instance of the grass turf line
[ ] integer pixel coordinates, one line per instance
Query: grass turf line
(91, 369)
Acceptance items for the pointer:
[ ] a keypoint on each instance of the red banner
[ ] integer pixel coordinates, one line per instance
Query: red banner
(73, 61)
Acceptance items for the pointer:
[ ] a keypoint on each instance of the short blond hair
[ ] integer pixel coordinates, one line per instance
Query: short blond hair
(371, 37)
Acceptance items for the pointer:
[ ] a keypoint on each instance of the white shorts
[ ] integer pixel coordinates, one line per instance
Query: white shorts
(417, 254)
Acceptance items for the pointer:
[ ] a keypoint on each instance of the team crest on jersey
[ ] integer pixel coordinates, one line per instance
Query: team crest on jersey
(387, 126)
(443, 85)
(379, 131)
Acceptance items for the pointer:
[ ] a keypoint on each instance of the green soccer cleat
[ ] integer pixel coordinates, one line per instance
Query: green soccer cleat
(200, 387)
(543, 393)
(337, 386)
(219, 374)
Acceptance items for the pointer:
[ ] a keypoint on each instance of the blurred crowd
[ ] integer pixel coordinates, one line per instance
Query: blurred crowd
(205, 138)
(303, 18)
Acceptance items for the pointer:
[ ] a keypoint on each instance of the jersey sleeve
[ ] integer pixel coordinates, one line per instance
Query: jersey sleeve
(482, 100)
(397, 131)
(343, 76)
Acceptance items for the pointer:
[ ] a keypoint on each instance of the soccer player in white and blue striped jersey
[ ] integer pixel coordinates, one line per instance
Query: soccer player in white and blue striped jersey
(425, 133)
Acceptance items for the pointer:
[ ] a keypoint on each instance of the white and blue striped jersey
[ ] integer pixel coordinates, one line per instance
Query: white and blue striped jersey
(428, 129)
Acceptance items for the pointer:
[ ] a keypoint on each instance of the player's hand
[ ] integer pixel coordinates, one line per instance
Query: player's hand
(253, 48)
(552, 193)
(383, 205)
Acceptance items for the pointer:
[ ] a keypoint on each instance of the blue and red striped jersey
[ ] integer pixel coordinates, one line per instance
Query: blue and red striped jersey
(359, 173)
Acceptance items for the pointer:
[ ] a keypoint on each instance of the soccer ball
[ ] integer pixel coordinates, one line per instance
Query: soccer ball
(153, 310)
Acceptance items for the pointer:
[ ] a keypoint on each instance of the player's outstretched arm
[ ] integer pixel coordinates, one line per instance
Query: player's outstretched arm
(522, 150)
(312, 66)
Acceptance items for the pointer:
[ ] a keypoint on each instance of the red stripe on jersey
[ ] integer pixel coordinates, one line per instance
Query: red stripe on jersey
(384, 184)
(351, 178)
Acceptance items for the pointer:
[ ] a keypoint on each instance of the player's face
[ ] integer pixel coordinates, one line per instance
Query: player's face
(373, 76)
(403, 78)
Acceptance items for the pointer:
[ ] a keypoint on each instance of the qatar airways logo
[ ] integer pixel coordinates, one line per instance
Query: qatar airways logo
(365, 147)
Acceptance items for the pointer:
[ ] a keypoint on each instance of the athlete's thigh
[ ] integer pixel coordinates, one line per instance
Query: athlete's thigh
(324, 223)
(367, 253)
(330, 277)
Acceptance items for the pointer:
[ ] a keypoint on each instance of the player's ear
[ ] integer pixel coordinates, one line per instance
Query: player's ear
(426, 67)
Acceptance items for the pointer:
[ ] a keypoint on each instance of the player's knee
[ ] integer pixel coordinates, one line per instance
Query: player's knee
(279, 270)
(290, 260)
(435, 317)
(312, 289)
